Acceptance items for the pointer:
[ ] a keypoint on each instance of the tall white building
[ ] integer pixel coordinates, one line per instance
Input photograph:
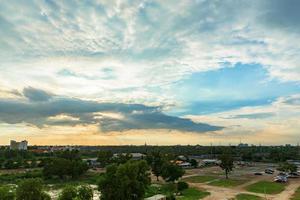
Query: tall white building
(18, 145)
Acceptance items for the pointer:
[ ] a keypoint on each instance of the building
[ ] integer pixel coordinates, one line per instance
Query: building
(18, 145)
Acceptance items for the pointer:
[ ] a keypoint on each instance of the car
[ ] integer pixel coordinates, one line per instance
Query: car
(281, 179)
(258, 173)
(269, 171)
(294, 175)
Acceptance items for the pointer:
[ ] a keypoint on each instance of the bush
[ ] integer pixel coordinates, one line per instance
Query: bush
(171, 197)
(85, 192)
(31, 189)
(68, 193)
(6, 194)
(182, 186)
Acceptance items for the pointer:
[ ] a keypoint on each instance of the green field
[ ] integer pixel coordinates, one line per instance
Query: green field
(247, 197)
(227, 182)
(296, 196)
(266, 187)
(192, 194)
(199, 179)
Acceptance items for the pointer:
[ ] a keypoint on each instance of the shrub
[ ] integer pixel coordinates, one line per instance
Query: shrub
(182, 186)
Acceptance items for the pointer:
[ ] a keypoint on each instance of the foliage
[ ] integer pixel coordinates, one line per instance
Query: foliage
(31, 189)
(171, 172)
(194, 163)
(156, 160)
(6, 193)
(226, 163)
(287, 167)
(127, 181)
(83, 192)
(105, 158)
(182, 186)
(62, 168)
(266, 187)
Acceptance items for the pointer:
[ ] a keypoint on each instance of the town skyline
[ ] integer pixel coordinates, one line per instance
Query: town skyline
(130, 72)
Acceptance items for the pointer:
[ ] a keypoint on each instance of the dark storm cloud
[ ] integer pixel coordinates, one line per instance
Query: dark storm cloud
(42, 105)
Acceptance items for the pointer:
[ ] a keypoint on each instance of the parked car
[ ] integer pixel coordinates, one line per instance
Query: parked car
(269, 171)
(294, 175)
(281, 179)
(258, 173)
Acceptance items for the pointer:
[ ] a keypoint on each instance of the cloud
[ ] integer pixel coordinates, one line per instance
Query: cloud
(34, 94)
(44, 110)
(253, 116)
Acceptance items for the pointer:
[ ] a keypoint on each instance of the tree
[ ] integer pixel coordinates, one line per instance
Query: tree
(31, 189)
(156, 161)
(68, 193)
(85, 192)
(287, 167)
(194, 163)
(82, 192)
(105, 158)
(6, 193)
(182, 186)
(226, 163)
(172, 172)
(62, 168)
(125, 181)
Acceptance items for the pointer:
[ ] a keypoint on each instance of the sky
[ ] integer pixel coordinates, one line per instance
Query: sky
(158, 72)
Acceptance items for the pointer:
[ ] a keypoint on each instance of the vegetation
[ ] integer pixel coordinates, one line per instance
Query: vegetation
(127, 181)
(82, 192)
(266, 187)
(156, 160)
(31, 189)
(172, 172)
(287, 167)
(6, 193)
(226, 163)
(247, 197)
(227, 182)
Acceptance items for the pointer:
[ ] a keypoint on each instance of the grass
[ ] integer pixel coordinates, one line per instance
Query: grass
(166, 189)
(199, 179)
(227, 182)
(296, 195)
(192, 194)
(266, 187)
(247, 197)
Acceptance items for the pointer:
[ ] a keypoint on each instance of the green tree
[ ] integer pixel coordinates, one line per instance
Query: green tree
(85, 192)
(287, 167)
(68, 193)
(172, 172)
(6, 193)
(226, 163)
(125, 181)
(105, 158)
(194, 163)
(156, 161)
(31, 189)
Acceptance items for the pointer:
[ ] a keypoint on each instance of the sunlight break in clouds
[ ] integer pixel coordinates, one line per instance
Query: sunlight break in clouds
(214, 61)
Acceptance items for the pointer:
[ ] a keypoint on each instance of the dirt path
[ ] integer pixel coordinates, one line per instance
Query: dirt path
(221, 193)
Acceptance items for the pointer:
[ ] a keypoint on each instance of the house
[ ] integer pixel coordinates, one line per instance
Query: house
(157, 197)
(92, 162)
(185, 165)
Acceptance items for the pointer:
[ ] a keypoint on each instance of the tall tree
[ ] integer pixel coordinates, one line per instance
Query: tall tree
(226, 162)
(125, 181)
(172, 172)
(156, 160)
